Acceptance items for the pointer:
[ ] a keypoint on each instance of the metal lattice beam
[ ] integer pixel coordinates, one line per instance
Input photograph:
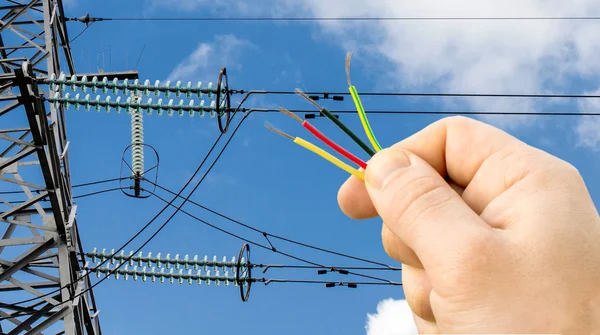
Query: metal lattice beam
(39, 246)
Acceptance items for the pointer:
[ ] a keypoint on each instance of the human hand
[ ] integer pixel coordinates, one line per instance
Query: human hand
(494, 235)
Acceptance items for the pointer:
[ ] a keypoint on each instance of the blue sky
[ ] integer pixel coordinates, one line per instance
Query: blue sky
(266, 181)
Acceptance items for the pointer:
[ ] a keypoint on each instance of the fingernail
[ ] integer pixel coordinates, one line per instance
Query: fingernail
(384, 166)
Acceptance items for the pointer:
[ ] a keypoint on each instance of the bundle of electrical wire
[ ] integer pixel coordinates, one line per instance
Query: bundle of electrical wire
(319, 135)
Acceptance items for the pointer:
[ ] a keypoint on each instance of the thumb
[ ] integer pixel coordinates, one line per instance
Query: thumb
(420, 207)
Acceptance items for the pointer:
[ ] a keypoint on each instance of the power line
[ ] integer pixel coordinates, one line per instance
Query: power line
(271, 248)
(348, 18)
(384, 281)
(246, 114)
(455, 95)
(81, 33)
(97, 193)
(282, 266)
(140, 57)
(74, 186)
(267, 235)
(328, 283)
(142, 229)
(178, 209)
(100, 182)
(433, 112)
(85, 195)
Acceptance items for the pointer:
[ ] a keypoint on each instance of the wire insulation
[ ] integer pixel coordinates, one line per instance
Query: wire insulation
(348, 132)
(359, 106)
(338, 123)
(329, 157)
(318, 134)
(334, 145)
(311, 147)
(364, 120)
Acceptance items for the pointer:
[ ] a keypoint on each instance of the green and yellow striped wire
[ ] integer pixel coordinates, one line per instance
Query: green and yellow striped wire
(361, 110)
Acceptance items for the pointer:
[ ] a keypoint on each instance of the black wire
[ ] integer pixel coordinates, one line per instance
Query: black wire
(97, 193)
(275, 236)
(272, 249)
(81, 33)
(139, 232)
(393, 112)
(342, 283)
(213, 226)
(100, 182)
(455, 95)
(384, 281)
(282, 266)
(140, 57)
(398, 18)
(156, 216)
(74, 186)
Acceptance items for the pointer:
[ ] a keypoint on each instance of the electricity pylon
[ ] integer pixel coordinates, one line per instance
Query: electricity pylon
(41, 267)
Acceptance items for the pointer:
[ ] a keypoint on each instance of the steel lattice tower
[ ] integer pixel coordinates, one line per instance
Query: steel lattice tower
(40, 250)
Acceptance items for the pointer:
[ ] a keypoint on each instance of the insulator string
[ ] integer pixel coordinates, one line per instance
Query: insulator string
(191, 107)
(189, 276)
(160, 261)
(137, 88)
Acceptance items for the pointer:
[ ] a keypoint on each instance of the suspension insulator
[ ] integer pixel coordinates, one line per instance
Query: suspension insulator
(137, 141)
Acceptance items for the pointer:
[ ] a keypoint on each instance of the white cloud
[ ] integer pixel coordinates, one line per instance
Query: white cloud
(588, 131)
(210, 6)
(393, 317)
(472, 56)
(200, 63)
(454, 56)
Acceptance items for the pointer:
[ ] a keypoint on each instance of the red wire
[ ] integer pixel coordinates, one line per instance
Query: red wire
(334, 145)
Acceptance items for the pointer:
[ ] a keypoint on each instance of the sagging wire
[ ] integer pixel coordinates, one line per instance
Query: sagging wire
(86, 275)
(139, 232)
(74, 186)
(324, 154)
(359, 107)
(110, 190)
(278, 237)
(265, 247)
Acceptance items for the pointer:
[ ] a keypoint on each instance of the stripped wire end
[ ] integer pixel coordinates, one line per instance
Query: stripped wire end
(302, 94)
(278, 132)
(348, 58)
(288, 113)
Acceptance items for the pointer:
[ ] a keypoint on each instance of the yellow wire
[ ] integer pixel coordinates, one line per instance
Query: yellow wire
(330, 158)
